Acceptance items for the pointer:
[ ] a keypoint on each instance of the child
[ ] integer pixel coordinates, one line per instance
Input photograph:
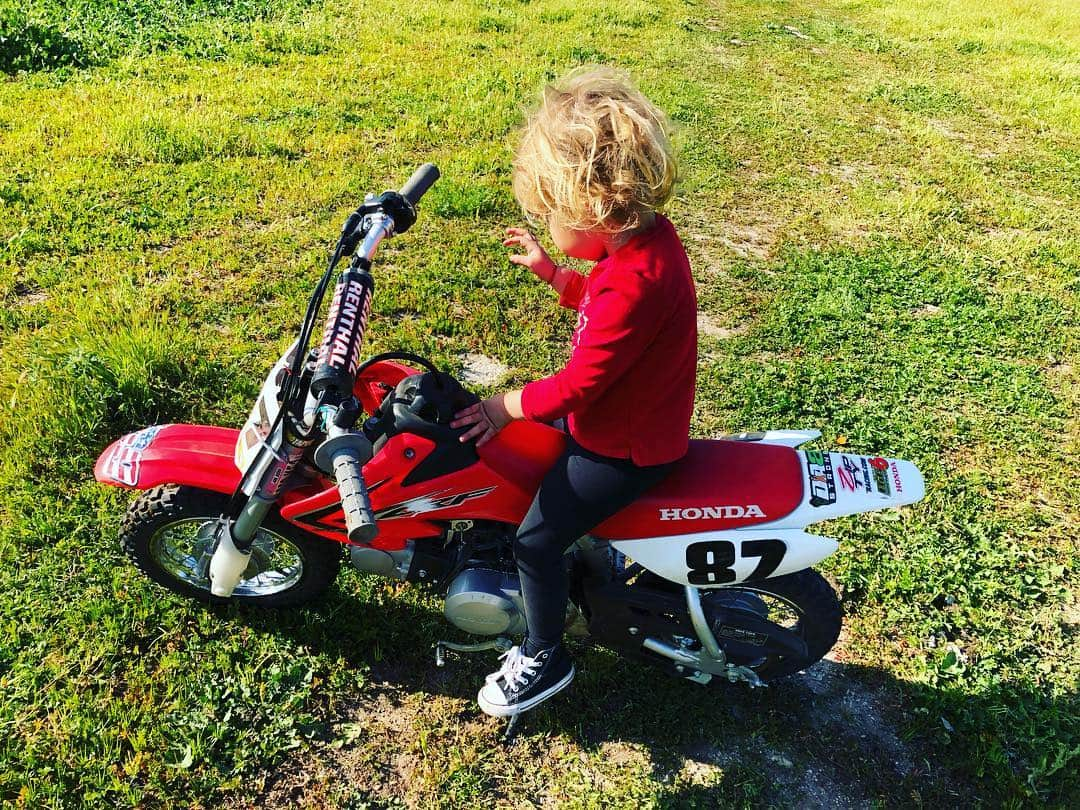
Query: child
(595, 164)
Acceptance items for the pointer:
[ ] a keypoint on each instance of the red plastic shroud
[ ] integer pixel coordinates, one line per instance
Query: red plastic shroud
(712, 488)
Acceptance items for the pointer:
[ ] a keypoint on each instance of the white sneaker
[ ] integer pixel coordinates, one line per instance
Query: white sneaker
(522, 683)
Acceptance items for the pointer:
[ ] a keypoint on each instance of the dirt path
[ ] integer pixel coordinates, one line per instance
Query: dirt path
(824, 739)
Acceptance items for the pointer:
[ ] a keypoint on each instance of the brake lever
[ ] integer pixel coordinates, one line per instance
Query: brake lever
(353, 231)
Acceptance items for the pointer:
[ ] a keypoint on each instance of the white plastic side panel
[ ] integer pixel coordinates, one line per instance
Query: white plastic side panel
(715, 559)
(256, 429)
(838, 484)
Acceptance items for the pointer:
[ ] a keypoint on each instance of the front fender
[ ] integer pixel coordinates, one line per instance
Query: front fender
(192, 455)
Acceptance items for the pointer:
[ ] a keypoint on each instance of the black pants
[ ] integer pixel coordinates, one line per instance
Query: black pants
(580, 491)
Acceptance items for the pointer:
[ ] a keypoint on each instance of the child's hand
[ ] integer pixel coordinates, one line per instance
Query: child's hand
(534, 256)
(487, 418)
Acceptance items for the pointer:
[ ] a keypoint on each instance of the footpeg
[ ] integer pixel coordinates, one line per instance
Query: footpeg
(500, 644)
(745, 674)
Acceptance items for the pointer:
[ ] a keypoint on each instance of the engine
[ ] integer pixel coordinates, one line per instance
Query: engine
(485, 602)
(480, 598)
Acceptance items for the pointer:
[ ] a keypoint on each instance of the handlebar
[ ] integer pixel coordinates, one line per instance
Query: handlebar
(359, 518)
(333, 377)
(417, 185)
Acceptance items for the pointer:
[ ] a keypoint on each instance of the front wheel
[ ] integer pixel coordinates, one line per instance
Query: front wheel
(168, 532)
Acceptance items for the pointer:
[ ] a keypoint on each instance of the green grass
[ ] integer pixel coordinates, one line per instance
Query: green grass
(50, 35)
(880, 202)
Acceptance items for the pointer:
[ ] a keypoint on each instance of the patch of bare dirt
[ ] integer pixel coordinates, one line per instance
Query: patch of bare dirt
(383, 749)
(969, 139)
(751, 241)
(746, 231)
(1061, 367)
(926, 311)
(847, 725)
(695, 772)
(708, 325)
(848, 173)
(800, 784)
(479, 369)
(864, 711)
(27, 295)
(373, 755)
(617, 753)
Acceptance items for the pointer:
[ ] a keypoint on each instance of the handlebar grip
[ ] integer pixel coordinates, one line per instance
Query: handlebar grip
(359, 519)
(421, 180)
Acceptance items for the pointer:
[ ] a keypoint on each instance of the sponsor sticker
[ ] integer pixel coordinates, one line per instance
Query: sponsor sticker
(848, 474)
(866, 474)
(742, 634)
(881, 482)
(822, 483)
(431, 502)
(896, 477)
(125, 460)
(881, 477)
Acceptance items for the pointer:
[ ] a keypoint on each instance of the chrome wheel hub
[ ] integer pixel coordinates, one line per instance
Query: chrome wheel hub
(183, 549)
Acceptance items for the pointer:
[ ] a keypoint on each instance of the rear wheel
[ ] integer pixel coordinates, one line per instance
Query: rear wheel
(802, 603)
(168, 533)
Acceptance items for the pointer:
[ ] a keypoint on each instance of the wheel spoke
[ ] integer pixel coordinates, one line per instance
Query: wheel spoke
(183, 548)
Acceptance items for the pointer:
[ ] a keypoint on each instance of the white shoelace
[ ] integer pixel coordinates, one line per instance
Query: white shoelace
(516, 666)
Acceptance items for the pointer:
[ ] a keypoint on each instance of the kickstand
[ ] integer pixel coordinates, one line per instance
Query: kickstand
(510, 736)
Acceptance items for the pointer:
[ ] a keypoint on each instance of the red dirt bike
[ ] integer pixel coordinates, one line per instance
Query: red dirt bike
(706, 576)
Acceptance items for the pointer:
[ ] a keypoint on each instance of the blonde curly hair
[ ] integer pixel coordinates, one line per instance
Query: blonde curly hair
(596, 154)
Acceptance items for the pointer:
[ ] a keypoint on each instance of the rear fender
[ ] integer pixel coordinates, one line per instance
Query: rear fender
(716, 559)
(787, 438)
(835, 484)
(838, 484)
(191, 455)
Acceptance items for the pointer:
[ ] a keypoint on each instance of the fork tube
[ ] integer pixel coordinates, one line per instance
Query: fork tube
(251, 517)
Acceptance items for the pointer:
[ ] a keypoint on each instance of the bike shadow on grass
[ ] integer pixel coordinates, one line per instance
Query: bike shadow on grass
(838, 735)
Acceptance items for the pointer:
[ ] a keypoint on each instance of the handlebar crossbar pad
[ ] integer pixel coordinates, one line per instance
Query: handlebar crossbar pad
(421, 180)
(355, 502)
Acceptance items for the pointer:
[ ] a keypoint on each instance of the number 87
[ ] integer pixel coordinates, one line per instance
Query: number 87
(710, 562)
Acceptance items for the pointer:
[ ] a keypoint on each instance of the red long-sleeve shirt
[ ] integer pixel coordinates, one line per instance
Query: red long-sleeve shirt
(628, 389)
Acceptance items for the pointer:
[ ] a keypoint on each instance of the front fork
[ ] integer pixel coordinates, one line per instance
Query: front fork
(332, 382)
(233, 552)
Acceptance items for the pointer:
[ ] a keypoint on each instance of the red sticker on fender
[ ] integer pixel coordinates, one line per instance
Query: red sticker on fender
(125, 460)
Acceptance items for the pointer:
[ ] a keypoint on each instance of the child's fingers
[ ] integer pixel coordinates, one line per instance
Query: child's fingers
(519, 259)
(467, 416)
(476, 430)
